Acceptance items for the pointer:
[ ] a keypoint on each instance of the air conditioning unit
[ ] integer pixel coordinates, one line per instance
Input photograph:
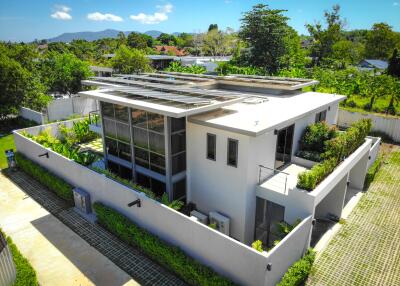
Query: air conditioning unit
(198, 216)
(221, 221)
(82, 201)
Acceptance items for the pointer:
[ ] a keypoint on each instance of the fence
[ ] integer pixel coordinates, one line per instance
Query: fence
(380, 123)
(7, 267)
(231, 258)
(59, 109)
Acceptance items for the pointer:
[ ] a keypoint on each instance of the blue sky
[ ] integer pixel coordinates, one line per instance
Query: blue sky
(27, 20)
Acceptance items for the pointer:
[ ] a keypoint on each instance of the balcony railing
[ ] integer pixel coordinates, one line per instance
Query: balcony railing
(94, 118)
(275, 177)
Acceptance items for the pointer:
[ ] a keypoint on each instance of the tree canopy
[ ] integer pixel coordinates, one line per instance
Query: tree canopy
(128, 60)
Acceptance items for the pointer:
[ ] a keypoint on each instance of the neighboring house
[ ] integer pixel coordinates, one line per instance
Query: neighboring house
(370, 64)
(212, 140)
(170, 51)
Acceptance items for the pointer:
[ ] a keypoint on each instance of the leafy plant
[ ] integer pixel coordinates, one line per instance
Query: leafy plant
(177, 67)
(257, 245)
(315, 135)
(213, 225)
(299, 271)
(175, 204)
(170, 257)
(54, 183)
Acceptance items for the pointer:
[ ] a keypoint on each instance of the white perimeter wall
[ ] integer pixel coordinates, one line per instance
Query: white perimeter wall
(380, 123)
(63, 108)
(33, 115)
(225, 255)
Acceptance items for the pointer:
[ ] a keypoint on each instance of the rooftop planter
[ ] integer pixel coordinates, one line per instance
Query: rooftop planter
(335, 151)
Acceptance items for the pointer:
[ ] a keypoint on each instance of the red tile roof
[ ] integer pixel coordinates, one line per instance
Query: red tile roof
(170, 50)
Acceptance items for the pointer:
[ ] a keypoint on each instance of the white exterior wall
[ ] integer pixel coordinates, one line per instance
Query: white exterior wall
(65, 107)
(213, 185)
(31, 115)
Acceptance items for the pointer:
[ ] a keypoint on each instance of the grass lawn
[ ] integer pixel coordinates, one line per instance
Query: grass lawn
(6, 142)
(357, 103)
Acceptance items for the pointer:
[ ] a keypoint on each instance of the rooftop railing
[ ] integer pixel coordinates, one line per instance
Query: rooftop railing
(275, 177)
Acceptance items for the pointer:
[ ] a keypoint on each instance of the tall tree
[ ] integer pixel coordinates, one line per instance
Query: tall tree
(212, 27)
(394, 64)
(218, 43)
(63, 73)
(137, 41)
(324, 39)
(128, 60)
(265, 29)
(381, 41)
(166, 39)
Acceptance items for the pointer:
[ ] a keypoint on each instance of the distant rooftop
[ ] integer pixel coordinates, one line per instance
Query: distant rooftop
(374, 64)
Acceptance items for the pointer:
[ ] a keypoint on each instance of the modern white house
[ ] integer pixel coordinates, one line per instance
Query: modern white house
(226, 146)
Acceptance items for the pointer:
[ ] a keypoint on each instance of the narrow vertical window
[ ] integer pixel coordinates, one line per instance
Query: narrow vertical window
(232, 159)
(211, 146)
(320, 116)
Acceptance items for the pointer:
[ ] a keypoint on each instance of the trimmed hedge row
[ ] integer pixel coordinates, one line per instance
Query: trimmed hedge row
(54, 183)
(26, 275)
(336, 150)
(168, 256)
(299, 271)
(372, 172)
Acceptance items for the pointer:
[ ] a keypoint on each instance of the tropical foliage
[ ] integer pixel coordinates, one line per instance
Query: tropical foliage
(299, 271)
(177, 67)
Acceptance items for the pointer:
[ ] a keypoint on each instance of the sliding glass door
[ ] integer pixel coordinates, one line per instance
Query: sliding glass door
(284, 145)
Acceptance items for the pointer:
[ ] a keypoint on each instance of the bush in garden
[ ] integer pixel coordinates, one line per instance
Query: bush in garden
(299, 271)
(54, 183)
(336, 150)
(170, 257)
(313, 139)
(257, 245)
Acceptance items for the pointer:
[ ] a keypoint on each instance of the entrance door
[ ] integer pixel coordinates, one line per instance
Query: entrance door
(284, 145)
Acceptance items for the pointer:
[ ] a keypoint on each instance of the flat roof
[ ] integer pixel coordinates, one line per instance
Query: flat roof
(256, 119)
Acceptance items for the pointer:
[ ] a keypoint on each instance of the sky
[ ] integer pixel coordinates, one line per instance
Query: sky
(41, 19)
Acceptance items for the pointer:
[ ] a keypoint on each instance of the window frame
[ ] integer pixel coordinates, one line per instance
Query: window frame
(236, 152)
(318, 116)
(210, 135)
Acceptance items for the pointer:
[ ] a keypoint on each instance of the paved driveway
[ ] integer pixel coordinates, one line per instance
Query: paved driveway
(366, 250)
(64, 248)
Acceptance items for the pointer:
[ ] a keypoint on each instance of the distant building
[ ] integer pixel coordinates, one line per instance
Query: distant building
(170, 50)
(369, 64)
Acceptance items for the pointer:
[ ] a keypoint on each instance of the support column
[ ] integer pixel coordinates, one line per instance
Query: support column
(358, 172)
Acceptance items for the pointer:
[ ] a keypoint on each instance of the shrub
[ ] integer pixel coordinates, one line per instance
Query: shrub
(26, 275)
(308, 180)
(309, 155)
(177, 67)
(299, 271)
(351, 103)
(54, 183)
(336, 150)
(315, 135)
(168, 256)
(257, 245)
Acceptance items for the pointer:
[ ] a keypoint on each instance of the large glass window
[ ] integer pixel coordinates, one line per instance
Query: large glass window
(110, 128)
(211, 146)
(107, 109)
(156, 122)
(178, 163)
(156, 186)
(142, 157)
(232, 159)
(121, 113)
(320, 116)
(178, 124)
(139, 118)
(178, 142)
(156, 142)
(123, 132)
(179, 190)
(120, 171)
(118, 149)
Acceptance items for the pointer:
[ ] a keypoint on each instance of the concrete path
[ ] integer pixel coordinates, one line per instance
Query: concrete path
(366, 249)
(59, 255)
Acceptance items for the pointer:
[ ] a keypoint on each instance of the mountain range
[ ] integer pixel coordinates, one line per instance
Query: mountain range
(92, 36)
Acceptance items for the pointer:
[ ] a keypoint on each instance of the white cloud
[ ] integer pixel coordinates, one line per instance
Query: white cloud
(159, 16)
(97, 16)
(61, 13)
(396, 4)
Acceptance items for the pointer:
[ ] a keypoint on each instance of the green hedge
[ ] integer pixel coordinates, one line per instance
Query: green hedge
(336, 150)
(54, 183)
(299, 271)
(170, 257)
(372, 172)
(26, 275)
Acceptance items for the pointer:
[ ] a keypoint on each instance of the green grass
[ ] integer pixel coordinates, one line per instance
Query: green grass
(26, 275)
(6, 142)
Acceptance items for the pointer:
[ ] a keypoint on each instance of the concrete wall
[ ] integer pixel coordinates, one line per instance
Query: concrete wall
(380, 123)
(33, 115)
(373, 154)
(288, 251)
(227, 256)
(7, 266)
(65, 107)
